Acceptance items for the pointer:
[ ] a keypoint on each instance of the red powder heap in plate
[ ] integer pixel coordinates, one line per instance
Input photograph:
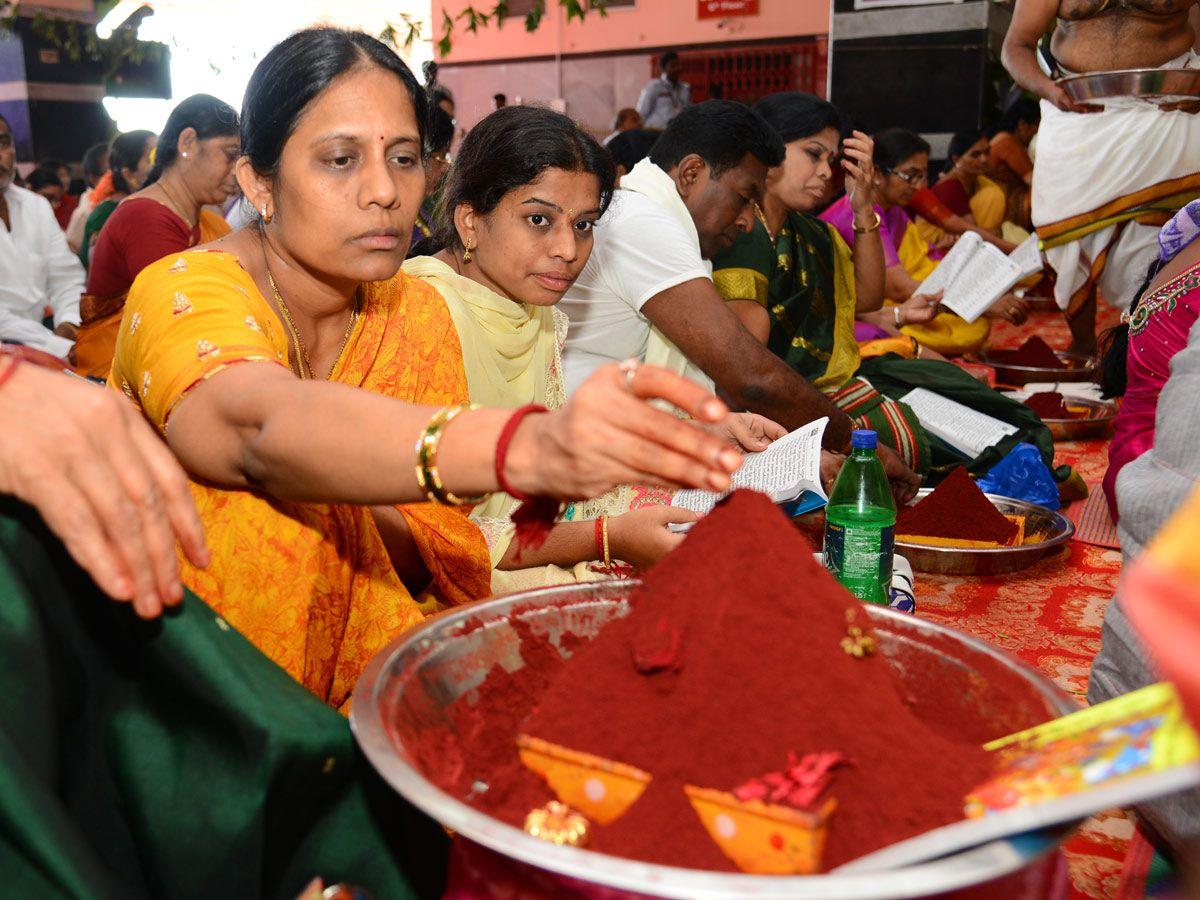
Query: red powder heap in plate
(957, 508)
(1034, 353)
(730, 659)
(1051, 405)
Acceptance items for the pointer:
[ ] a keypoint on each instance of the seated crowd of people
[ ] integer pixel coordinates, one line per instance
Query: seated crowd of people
(270, 366)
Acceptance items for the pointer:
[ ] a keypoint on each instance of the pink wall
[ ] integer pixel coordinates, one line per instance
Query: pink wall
(649, 25)
(594, 87)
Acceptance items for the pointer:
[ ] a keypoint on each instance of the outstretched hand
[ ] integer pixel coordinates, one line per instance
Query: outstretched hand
(608, 434)
(102, 481)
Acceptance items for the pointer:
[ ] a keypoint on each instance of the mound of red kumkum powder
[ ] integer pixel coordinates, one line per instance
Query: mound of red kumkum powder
(1051, 405)
(1035, 353)
(956, 508)
(731, 663)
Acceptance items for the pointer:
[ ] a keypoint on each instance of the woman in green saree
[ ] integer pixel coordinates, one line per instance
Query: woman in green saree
(798, 287)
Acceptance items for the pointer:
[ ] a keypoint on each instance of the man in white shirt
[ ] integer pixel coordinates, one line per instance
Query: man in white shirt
(664, 97)
(37, 268)
(647, 291)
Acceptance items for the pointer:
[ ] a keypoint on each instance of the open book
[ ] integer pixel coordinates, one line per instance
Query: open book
(1126, 751)
(975, 274)
(787, 469)
(966, 430)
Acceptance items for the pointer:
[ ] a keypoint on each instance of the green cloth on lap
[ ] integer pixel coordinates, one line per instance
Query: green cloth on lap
(894, 377)
(173, 759)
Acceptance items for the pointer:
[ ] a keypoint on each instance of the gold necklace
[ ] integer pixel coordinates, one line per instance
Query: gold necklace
(302, 360)
(761, 215)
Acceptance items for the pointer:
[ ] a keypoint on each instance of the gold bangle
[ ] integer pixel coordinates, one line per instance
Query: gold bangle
(429, 479)
(869, 228)
(604, 534)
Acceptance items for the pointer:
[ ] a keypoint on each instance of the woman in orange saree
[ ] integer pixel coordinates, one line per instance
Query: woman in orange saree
(292, 371)
(312, 585)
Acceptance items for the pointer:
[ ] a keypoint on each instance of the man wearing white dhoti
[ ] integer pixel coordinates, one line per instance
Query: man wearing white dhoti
(38, 271)
(1105, 179)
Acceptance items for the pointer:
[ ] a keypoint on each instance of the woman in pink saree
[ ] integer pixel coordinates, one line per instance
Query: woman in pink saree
(1157, 326)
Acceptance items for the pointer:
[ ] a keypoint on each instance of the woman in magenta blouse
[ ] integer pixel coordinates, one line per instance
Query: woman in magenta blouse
(1155, 329)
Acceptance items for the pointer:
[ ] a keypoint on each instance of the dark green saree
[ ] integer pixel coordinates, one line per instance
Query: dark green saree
(172, 759)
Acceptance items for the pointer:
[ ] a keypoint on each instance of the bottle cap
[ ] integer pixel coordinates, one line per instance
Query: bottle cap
(863, 439)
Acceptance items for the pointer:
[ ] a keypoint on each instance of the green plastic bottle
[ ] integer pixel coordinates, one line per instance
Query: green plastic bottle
(860, 524)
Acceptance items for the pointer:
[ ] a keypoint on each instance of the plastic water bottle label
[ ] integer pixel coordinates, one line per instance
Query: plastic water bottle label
(861, 559)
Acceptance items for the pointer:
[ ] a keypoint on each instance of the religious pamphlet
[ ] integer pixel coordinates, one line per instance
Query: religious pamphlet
(786, 470)
(1028, 256)
(975, 274)
(1120, 753)
(966, 430)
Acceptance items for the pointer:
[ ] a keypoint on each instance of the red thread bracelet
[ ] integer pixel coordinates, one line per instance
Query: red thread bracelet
(535, 517)
(506, 436)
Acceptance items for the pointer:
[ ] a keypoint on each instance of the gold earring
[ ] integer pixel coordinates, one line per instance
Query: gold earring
(266, 216)
(467, 253)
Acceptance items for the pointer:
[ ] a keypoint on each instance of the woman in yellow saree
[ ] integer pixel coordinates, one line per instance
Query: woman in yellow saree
(965, 199)
(526, 189)
(274, 363)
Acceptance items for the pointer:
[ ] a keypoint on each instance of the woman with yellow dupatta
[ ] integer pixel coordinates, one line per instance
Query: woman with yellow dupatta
(293, 372)
(525, 192)
(193, 167)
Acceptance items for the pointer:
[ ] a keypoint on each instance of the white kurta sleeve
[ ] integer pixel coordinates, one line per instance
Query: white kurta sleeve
(32, 334)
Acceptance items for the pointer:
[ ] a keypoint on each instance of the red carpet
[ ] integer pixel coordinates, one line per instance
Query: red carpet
(1049, 616)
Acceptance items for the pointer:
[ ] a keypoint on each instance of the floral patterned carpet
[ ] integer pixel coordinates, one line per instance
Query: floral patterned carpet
(1049, 616)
